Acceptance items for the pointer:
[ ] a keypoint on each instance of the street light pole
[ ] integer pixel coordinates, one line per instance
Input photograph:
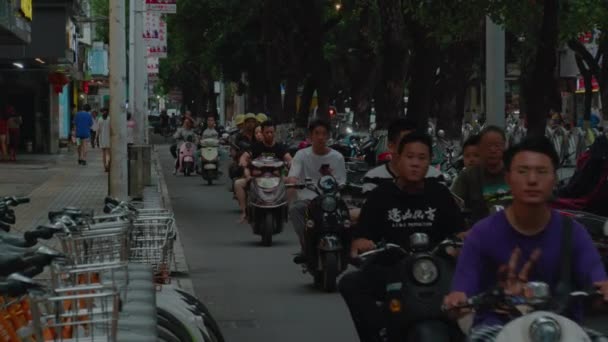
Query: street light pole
(495, 74)
(118, 186)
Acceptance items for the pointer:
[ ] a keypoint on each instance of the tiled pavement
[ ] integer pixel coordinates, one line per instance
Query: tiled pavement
(54, 182)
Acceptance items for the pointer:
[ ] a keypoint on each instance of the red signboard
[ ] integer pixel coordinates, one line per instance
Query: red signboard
(162, 6)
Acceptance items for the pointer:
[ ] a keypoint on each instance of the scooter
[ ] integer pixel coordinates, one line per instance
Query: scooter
(186, 156)
(542, 320)
(421, 277)
(209, 168)
(267, 200)
(327, 234)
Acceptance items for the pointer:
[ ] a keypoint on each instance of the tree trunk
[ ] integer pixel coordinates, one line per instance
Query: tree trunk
(422, 78)
(545, 88)
(323, 91)
(394, 65)
(602, 78)
(290, 101)
(306, 99)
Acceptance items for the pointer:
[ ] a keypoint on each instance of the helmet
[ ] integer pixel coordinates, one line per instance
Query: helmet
(239, 119)
(249, 116)
(261, 117)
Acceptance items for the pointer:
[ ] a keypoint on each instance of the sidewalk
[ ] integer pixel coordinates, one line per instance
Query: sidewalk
(54, 182)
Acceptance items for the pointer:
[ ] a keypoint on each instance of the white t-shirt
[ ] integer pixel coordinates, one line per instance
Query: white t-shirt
(307, 164)
(382, 173)
(210, 133)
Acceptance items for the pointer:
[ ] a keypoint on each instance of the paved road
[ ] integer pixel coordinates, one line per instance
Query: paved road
(256, 293)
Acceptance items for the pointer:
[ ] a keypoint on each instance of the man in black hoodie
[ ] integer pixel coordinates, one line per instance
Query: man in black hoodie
(392, 212)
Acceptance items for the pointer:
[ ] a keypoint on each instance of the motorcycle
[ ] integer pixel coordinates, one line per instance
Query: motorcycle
(210, 160)
(420, 279)
(186, 156)
(541, 321)
(327, 234)
(267, 200)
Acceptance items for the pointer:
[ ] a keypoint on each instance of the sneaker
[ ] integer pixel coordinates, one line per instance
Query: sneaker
(84, 162)
(174, 172)
(299, 259)
(79, 161)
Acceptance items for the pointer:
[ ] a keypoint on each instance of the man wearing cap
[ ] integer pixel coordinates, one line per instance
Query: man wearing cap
(244, 140)
(234, 170)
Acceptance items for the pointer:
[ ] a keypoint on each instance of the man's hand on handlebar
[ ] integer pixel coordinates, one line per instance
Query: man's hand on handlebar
(361, 245)
(453, 300)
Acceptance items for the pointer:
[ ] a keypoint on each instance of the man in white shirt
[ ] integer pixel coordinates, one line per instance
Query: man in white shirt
(210, 132)
(313, 162)
(388, 172)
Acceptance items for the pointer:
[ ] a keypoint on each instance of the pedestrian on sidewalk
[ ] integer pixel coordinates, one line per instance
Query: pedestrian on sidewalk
(14, 129)
(94, 129)
(131, 125)
(83, 121)
(103, 134)
(4, 135)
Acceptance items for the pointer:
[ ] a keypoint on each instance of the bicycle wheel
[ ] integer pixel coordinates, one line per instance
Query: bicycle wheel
(172, 324)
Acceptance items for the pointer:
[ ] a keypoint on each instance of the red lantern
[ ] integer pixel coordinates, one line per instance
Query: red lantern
(58, 80)
(85, 87)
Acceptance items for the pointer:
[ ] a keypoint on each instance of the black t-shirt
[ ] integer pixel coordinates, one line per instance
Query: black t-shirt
(277, 150)
(392, 215)
(243, 142)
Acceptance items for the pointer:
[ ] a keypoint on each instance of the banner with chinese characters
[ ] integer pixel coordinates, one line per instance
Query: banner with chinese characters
(162, 6)
(155, 35)
(153, 63)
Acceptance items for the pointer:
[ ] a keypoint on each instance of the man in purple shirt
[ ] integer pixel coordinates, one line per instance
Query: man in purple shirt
(526, 236)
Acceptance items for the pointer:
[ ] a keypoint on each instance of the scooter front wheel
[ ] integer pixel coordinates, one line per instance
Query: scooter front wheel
(267, 229)
(330, 271)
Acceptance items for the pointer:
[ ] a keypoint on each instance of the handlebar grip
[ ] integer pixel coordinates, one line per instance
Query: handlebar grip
(39, 260)
(13, 288)
(55, 214)
(21, 200)
(31, 272)
(5, 227)
(107, 208)
(41, 232)
(110, 200)
(8, 218)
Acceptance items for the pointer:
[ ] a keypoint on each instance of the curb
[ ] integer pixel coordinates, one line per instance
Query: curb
(181, 264)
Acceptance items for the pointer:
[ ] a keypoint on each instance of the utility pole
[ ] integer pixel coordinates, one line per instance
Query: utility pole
(495, 74)
(131, 56)
(140, 72)
(118, 183)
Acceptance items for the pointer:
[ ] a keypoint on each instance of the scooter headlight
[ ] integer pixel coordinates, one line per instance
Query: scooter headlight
(268, 182)
(545, 329)
(329, 204)
(425, 271)
(188, 145)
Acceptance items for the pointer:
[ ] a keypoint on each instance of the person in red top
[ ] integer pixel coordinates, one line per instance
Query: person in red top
(4, 135)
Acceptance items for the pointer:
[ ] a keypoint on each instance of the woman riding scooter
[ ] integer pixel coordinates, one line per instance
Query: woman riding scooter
(181, 135)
